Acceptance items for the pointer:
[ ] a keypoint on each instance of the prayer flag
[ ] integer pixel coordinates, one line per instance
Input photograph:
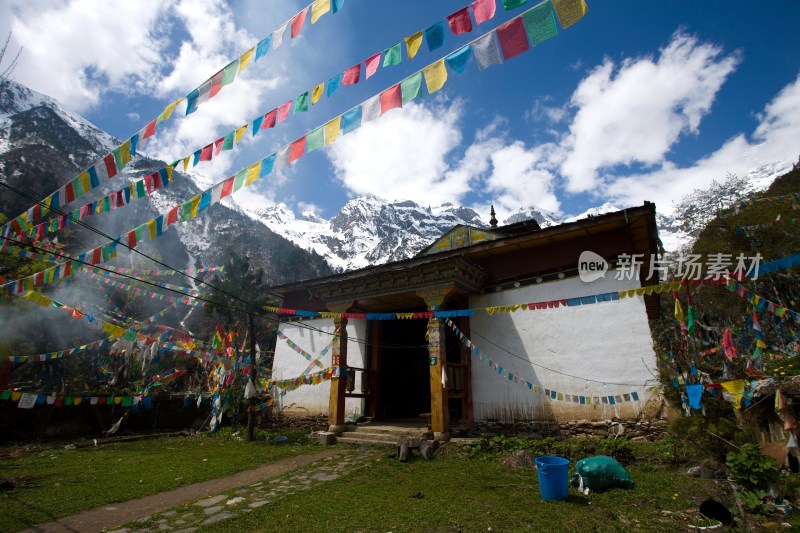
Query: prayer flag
(172, 218)
(301, 104)
(371, 109)
(282, 158)
(391, 98)
(352, 75)
(413, 42)
(392, 56)
(540, 23)
(263, 47)
(227, 144)
(85, 181)
(227, 189)
(460, 21)
(205, 154)
(229, 72)
(569, 11)
(245, 59)
(240, 133)
(297, 149)
(483, 10)
(297, 22)
(238, 180)
(351, 120)
(266, 165)
(513, 38)
(333, 84)
(319, 8)
(92, 177)
(167, 112)
(332, 130)
(486, 51)
(257, 125)
(269, 120)
(435, 76)
(316, 93)
(150, 129)
(372, 63)
(216, 83)
(458, 59)
(277, 36)
(411, 87)
(337, 5)
(315, 139)
(434, 36)
(283, 111)
(513, 4)
(111, 167)
(253, 173)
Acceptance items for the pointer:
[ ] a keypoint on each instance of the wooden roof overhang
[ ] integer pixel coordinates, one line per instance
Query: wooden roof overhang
(474, 269)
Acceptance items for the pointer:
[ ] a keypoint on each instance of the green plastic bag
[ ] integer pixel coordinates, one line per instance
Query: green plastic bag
(600, 473)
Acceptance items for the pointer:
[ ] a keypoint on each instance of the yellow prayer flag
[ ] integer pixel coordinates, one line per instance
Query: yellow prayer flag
(240, 133)
(151, 228)
(736, 389)
(245, 59)
(570, 11)
(332, 130)
(253, 173)
(319, 8)
(195, 205)
(168, 110)
(186, 163)
(87, 184)
(125, 152)
(412, 44)
(435, 76)
(316, 93)
(38, 299)
(679, 312)
(169, 174)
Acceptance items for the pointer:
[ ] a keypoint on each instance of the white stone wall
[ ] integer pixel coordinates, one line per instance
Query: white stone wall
(288, 364)
(607, 346)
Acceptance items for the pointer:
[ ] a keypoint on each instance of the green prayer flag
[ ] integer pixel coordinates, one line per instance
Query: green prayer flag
(230, 72)
(540, 23)
(126, 401)
(130, 335)
(118, 158)
(392, 55)
(513, 4)
(692, 319)
(227, 144)
(5, 395)
(77, 187)
(106, 205)
(140, 192)
(410, 87)
(186, 214)
(238, 181)
(315, 139)
(301, 103)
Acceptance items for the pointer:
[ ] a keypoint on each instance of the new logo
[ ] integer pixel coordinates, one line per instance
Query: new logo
(591, 266)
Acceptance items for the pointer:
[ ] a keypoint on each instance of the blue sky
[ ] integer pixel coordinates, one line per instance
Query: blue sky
(637, 101)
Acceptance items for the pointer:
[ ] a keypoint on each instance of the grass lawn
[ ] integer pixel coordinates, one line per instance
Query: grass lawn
(462, 493)
(54, 482)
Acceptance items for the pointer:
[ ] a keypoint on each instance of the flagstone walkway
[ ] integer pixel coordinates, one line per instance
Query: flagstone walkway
(188, 508)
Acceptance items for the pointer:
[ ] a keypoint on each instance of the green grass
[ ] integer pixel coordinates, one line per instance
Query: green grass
(466, 494)
(55, 482)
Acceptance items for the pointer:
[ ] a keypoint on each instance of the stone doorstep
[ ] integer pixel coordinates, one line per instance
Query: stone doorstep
(366, 442)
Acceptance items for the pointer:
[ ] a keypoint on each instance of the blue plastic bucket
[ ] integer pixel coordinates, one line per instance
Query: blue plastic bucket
(553, 477)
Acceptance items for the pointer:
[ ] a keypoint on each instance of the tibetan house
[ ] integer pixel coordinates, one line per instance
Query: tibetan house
(484, 324)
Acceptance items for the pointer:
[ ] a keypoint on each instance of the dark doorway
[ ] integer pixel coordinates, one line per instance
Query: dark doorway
(404, 374)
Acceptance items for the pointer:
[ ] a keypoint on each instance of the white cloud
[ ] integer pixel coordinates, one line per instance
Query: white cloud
(772, 150)
(519, 180)
(635, 112)
(403, 155)
(133, 116)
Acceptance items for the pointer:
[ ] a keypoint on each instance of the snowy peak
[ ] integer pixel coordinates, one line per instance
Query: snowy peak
(544, 218)
(607, 207)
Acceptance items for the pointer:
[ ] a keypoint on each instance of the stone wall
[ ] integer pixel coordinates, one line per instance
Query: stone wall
(643, 429)
(309, 422)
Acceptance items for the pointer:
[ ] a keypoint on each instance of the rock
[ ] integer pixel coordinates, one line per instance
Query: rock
(428, 447)
(702, 472)
(519, 459)
(325, 437)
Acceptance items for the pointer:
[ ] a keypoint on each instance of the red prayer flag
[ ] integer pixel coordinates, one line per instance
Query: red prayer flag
(483, 9)
(227, 187)
(391, 98)
(297, 149)
(148, 183)
(216, 83)
(70, 192)
(97, 256)
(269, 120)
(297, 22)
(157, 181)
(460, 22)
(283, 111)
(111, 167)
(513, 38)
(132, 238)
(218, 145)
(150, 130)
(352, 75)
(172, 216)
(206, 154)
(119, 198)
(372, 63)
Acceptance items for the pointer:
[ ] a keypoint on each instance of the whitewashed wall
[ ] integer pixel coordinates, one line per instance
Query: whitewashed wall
(288, 364)
(602, 344)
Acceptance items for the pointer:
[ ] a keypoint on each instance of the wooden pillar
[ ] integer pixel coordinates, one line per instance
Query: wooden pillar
(437, 354)
(339, 366)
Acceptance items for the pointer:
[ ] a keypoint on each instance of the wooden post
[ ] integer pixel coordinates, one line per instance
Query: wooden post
(339, 379)
(440, 412)
(251, 408)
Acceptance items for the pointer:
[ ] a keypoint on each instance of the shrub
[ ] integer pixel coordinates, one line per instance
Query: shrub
(751, 469)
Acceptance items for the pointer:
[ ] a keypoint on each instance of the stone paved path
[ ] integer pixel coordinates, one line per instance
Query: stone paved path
(186, 508)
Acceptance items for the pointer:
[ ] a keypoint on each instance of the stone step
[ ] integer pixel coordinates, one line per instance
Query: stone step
(384, 437)
(364, 442)
(391, 430)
